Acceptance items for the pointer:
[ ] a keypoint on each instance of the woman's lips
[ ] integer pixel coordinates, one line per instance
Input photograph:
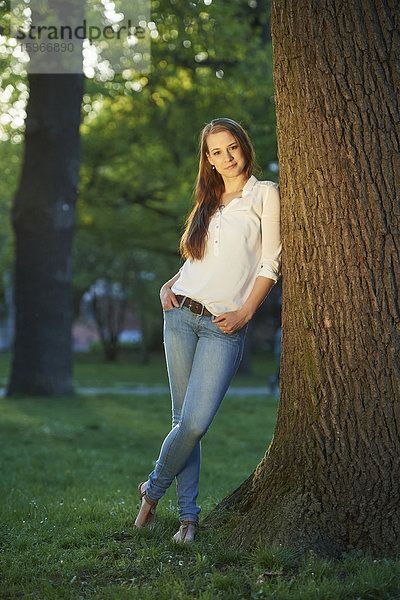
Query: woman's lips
(231, 166)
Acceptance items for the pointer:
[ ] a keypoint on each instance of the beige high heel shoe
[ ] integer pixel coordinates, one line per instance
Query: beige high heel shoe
(146, 516)
(186, 532)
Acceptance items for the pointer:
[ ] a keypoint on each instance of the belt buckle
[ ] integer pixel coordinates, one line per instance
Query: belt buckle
(192, 311)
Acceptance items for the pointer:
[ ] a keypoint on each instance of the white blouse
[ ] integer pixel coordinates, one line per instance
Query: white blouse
(243, 242)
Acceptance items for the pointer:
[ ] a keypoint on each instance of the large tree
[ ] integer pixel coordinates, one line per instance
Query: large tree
(331, 476)
(43, 219)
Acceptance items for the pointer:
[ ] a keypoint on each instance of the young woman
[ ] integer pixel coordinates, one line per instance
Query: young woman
(232, 248)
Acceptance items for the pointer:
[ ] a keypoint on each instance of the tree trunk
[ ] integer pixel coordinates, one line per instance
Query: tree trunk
(43, 220)
(331, 476)
(109, 313)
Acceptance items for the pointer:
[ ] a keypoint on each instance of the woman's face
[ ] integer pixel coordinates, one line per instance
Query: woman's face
(225, 154)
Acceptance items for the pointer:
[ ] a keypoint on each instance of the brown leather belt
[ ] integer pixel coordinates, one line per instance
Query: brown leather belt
(194, 307)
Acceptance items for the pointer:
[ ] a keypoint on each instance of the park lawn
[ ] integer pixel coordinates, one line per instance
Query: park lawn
(91, 370)
(68, 505)
(129, 371)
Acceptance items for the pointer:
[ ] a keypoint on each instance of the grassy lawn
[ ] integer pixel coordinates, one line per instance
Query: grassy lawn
(90, 370)
(70, 467)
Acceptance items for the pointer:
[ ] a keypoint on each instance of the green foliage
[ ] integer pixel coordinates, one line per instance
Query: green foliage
(10, 157)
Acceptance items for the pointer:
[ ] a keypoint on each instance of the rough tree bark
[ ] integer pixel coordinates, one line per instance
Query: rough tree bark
(331, 475)
(43, 220)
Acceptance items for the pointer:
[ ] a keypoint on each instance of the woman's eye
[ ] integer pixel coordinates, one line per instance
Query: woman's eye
(230, 148)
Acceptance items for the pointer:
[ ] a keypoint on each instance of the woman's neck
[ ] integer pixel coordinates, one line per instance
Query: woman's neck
(236, 184)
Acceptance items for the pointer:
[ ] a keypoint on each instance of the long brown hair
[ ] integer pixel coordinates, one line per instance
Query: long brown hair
(210, 186)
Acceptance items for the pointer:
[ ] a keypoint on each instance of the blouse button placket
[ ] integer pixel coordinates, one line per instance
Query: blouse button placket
(217, 230)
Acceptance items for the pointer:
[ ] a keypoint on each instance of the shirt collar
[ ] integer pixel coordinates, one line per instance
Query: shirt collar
(250, 183)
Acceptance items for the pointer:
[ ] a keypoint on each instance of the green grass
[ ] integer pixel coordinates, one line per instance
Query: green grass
(70, 467)
(129, 371)
(91, 370)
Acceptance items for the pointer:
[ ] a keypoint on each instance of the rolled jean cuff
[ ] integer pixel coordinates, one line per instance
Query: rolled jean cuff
(151, 491)
(150, 496)
(194, 518)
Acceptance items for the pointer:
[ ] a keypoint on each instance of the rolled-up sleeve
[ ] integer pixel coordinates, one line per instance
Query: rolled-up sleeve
(271, 234)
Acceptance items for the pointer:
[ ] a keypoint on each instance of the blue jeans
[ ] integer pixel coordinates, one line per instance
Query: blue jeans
(201, 362)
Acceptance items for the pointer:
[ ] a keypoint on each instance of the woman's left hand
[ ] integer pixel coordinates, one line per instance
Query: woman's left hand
(230, 322)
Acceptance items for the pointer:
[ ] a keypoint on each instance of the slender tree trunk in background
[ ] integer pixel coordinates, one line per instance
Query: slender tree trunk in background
(43, 220)
(109, 312)
(142, 313)
(331, 475)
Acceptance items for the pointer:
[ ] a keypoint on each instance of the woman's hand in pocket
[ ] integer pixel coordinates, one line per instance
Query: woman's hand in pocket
(168, 298)
(231, 322)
